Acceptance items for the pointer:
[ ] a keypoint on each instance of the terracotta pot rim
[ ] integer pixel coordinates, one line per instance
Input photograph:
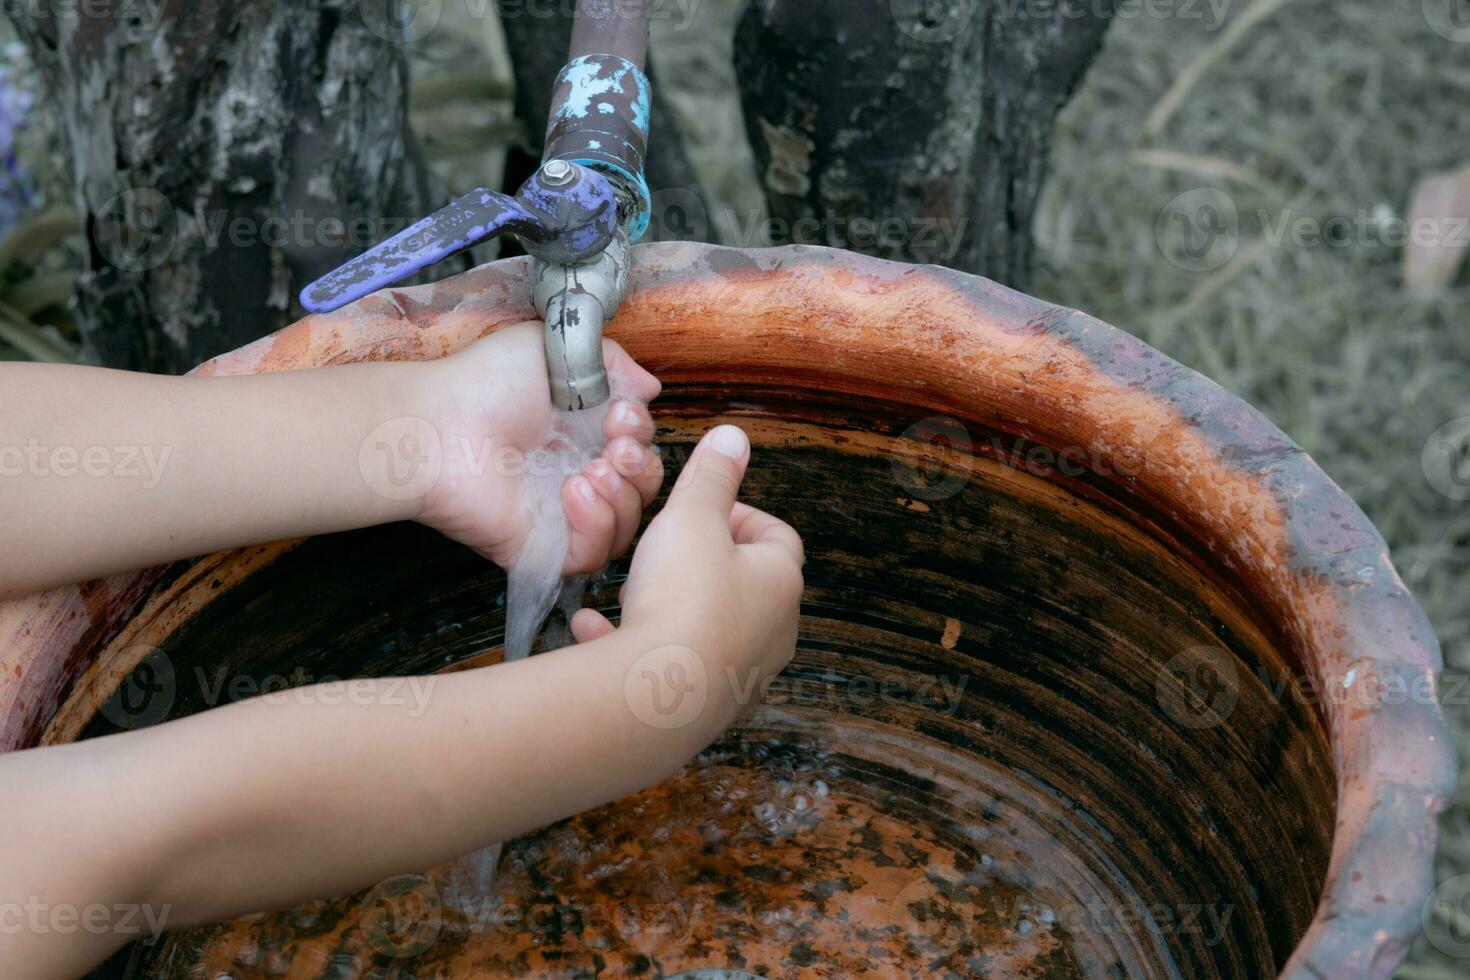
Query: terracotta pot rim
(972, 348)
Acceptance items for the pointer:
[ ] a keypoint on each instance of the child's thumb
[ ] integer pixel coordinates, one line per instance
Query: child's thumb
(711, 479)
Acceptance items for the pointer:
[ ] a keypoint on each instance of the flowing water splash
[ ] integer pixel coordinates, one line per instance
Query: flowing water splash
(535, 584)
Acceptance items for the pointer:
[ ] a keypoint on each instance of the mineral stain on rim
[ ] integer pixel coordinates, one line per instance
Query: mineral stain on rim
(1170, 646)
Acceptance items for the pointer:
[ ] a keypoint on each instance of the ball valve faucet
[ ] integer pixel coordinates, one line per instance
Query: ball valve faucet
(577, 216)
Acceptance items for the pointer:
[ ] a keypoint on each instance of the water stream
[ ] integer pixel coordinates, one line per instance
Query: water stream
(535, 584)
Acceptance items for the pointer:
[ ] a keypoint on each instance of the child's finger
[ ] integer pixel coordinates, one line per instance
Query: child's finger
(711, 479)
(627, 374)
(592, 522)
(628, 418)
(639, 464)
(589, 625)
(626, 503)
(751, 526)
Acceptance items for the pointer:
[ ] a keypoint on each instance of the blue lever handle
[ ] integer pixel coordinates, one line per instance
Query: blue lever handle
(565, 214)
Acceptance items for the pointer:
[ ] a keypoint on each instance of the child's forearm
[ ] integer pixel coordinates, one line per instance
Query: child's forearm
(102, 471)
(322, 790)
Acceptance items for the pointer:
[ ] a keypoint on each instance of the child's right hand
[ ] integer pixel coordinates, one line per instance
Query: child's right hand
(714, 575)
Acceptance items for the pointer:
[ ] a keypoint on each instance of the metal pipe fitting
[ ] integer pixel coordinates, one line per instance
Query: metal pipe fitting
(575, 302)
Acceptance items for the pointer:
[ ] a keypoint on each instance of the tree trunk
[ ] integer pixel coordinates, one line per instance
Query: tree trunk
(915, 130)
(224, 153)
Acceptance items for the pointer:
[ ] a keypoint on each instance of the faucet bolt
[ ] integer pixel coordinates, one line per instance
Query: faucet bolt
(558, 173)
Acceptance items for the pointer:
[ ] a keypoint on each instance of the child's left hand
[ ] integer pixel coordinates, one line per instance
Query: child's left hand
(491, 404)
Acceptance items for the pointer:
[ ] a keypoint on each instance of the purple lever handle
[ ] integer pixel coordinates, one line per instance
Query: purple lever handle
(565, 214)
(473, 218)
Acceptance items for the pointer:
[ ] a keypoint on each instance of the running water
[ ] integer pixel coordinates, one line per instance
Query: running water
(535, 582)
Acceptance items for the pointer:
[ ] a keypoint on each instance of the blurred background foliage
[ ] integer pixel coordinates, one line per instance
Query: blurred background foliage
(1287, 110)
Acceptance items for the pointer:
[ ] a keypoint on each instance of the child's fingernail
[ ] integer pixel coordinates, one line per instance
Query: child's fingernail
(630, 458)
(601, 471)
(728, 440)
(583, 488)
(625, 413)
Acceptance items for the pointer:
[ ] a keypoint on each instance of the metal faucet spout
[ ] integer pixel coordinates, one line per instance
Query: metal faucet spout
(575, 302)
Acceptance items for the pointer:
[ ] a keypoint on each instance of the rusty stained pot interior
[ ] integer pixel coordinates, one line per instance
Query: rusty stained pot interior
(1017, 776)
(1042, 722)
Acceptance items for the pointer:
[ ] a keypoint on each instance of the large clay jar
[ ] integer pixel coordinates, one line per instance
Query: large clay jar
(1099, 674)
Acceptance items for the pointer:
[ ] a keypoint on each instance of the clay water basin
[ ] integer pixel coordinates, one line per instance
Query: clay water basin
(1099, 675)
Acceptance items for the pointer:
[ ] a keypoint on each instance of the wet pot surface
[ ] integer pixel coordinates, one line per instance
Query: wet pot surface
(1021, 738)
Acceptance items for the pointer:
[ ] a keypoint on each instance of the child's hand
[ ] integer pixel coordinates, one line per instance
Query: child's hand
(493, 404)
(717, 576)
